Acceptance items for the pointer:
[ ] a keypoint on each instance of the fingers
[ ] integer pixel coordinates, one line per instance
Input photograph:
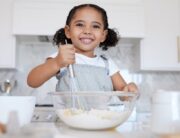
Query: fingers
(69, 54)
(125, 88)
(66, 55)
(130, 87)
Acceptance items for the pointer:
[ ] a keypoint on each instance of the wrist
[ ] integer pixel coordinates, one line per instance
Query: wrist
(54, 65)
(58, 63)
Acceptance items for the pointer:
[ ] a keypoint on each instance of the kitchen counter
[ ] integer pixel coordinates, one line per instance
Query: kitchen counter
(130, 129)
(126, 130)
(60, 130)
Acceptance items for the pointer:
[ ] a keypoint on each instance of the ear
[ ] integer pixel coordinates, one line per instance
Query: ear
(67, 31)
(104, 35)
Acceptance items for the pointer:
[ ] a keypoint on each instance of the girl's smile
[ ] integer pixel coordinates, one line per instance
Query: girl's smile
(86, 30)
(86, 41)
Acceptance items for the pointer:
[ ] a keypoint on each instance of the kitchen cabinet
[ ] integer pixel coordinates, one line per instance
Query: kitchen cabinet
(160, 50)
(7, 40)
(45, 17)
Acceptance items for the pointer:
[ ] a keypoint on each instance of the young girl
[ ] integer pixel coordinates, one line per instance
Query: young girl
(86, 28)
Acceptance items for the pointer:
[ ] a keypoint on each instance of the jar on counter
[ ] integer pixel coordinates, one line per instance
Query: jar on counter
(165, 112)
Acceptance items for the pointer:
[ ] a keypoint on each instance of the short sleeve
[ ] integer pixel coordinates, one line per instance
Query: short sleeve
(53, 55)
(113, 68)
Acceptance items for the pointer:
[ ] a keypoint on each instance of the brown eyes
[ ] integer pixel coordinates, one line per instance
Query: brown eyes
(96, 26)
(79, 25)
(93, 26)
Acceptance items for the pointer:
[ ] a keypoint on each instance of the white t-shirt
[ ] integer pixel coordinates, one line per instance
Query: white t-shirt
(95, 61)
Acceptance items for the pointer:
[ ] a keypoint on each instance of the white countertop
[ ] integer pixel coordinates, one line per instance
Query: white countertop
(129, 129)
(59, 130)
(126, 130)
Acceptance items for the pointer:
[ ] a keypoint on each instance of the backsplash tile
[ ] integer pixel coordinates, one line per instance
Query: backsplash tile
(30, 54)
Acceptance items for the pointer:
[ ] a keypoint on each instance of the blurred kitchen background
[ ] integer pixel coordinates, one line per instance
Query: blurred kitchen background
(147, 54)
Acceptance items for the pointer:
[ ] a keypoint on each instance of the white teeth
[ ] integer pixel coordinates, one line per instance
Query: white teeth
(86, 40)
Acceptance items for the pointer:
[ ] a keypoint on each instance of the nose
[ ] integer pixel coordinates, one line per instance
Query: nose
(87, 30)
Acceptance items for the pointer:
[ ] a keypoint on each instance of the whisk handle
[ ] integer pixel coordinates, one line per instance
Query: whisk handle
(71, 70)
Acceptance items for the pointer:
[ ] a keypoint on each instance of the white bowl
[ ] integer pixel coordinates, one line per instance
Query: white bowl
(94, 110)
(22, 105)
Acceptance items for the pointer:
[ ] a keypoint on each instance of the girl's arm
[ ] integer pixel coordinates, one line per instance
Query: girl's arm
(42, 73)
(119, 84)
(45, 71)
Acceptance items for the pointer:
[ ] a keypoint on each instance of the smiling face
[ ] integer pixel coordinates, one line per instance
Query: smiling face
(86, 30)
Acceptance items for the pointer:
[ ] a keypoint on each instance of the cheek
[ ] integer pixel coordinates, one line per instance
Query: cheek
(102, 37)
(74, 33)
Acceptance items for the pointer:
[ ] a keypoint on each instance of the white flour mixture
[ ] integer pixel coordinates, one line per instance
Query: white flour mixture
(93, 119)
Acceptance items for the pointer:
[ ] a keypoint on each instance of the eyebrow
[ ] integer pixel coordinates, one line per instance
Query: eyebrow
(83, 21)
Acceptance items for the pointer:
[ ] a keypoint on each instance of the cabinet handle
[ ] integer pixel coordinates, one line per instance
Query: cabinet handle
(178, 48)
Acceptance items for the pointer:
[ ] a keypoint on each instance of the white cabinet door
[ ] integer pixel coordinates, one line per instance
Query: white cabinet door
(159, 49)
(37, 17)
(7, 40)
(127, 18)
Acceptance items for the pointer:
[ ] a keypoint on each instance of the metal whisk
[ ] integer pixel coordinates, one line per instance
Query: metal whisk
(77, 102)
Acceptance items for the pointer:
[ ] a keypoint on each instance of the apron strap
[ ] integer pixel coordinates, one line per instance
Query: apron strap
(105, 59)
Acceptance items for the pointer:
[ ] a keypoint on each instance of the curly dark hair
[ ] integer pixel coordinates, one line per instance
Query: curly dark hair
(112, 37)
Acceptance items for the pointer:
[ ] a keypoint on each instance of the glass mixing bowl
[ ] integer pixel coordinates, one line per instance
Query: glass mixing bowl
(94, 110)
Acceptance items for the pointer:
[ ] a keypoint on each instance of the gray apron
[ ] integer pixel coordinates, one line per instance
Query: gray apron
(88, 78)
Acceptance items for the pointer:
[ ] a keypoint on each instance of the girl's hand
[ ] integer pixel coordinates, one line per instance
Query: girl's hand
(130, 87)
(2, 128)
(66, 55)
